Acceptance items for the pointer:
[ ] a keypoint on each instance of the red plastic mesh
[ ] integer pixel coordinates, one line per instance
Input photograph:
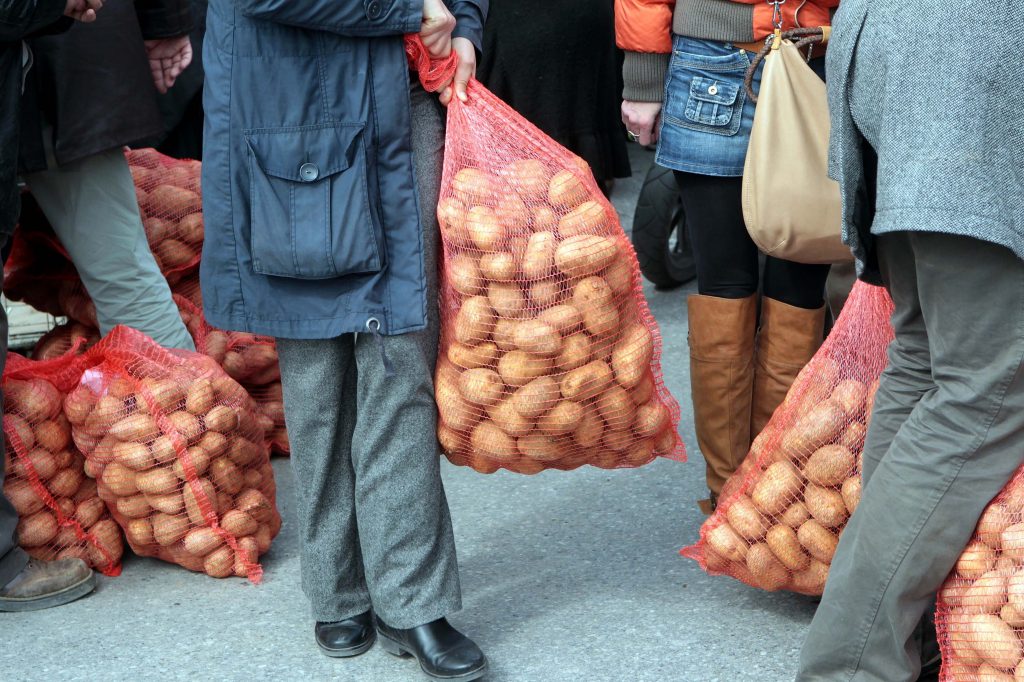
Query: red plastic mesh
(178, 454)
(60, 513)
(550, 357)
(60, 340)
(980, 613)
(780, 515)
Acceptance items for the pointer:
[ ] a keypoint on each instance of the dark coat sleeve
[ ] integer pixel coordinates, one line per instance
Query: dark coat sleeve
(20, 18)
(470, 16)
(352, 18)
(164, 18)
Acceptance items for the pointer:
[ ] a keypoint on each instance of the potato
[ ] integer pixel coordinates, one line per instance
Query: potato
(78, 404)
(503, 333)
(163, 450)
(119, 479)
(584, 255)
(518, 368)
(481, 386)
(450, 440)
(529, 178)
(563, 418)
(617, 440)
(870, 402)
(819, 541)
(170, 201)
(158, 481)
(168, 504)
(587, 381)
(475, 186)
(665, 442)
(34, 400)
(851, 395)
(851, 493)
(961, 641)
(541, 447)
(166, 393)
(536, 397)
(545, 293)
(139, 532)
(1011, 616)
(213, 444)
(490, 441)
(219, 563)
(1002, 648)
(53, 434)
(451, 216)
(88, 512)
(513, 214)
(565, 318)
(539, 258)
(199, 495)
(726, 542)
(135, 427)
(463, 272)
(821, 424)
(566, 190)
(994, 520)
(506, 299)
(779, 486)
(812, 579)
(134, 506)
(986, 673)
(168, 529)
(853, 436)
(202, 541)
(619, 274)
(455, 411)
(1014, 589)
(174, 254)
(768, 572)
(256, 505)
(575, 352)
(504, 414)
(829, 465)
(472, 357)
(537, 338)
(639, 453)
(499, 266)
(615, 405)
(650, 419)
(784, 544)
(220, 418)
(109, 409)
(826, 505)
(544, 219)
(745, 519)
(485, 230)
(200, 396)
(632, 355)
(39, 460)
(593, 298)
(978, 558)
(133, 455)
(226, 476)
(644, 391)
(587, 218)
(987, 594)
(247, 554)
(37, 529)
(238, 523)
(590, 431)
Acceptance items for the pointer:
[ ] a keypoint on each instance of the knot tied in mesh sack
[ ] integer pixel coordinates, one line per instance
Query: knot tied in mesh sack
(433, 73)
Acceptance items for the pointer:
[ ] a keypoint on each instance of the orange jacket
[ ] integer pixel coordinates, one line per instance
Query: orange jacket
(646, 25)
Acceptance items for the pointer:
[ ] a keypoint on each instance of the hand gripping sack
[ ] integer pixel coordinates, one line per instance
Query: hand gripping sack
(549, 355)
(780, 515)
(178, 455)
(980, 612)
(60, 513)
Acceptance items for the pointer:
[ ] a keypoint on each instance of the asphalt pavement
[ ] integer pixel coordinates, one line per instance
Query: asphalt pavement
(566, 576)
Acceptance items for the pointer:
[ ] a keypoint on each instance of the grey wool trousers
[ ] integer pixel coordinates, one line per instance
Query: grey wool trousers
(946, 434)
(373, 518)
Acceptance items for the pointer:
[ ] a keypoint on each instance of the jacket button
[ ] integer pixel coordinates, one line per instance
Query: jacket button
(309, 172)
(373, 10)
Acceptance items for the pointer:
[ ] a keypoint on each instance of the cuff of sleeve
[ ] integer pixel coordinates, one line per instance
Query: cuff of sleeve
(644, 76)
(168, 22)
(469, 24)
(413, 16)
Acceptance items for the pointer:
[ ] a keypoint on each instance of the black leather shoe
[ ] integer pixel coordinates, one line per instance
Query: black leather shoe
(347, 638)
(443, 652)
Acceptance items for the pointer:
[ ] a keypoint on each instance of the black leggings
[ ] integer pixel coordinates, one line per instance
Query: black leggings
(727, 258)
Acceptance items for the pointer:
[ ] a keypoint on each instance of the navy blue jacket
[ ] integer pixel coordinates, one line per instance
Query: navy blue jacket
(309, 195)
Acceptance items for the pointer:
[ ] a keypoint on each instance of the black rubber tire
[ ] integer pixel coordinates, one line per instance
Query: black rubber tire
(659, 232)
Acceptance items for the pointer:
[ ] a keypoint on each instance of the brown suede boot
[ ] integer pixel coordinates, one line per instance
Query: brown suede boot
(44, 584)
(721, 381)
(788, 339)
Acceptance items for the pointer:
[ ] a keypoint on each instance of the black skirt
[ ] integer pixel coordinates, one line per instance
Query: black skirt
(555, 62)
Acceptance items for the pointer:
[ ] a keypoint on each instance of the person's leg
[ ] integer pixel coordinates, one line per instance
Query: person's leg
(959, 446)
(92, 207)
(319, 386)
(722, 320)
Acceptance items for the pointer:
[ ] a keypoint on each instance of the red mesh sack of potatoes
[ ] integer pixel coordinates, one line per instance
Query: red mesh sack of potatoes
(171, 206)
(60, 512)
(60, 340)
(178, 455)
(980, 614)
(550, 357)
(780, 515)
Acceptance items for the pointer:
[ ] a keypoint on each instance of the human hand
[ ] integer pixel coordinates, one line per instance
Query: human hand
(436, 29)
(82, 10)
(168, 57)
(463, 72)
(641, 119)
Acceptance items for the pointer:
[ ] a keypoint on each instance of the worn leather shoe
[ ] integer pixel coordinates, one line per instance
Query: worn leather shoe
(347, 638)
(44, 584)
(443, 652)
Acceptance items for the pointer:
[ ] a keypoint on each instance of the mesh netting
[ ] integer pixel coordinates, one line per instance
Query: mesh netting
(980, 614)
(60, 512)
(61, 339)
(780, 515)
(178, 453)
(549, 355)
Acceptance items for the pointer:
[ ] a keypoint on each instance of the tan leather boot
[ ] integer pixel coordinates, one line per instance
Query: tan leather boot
(787, 340)
(721, 380)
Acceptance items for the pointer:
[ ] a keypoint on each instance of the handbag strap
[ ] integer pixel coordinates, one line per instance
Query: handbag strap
(803, 37)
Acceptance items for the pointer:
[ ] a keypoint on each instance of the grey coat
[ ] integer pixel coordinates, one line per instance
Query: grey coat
(936, 91)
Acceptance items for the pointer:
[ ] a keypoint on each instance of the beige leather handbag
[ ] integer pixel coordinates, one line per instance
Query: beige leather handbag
(791, 207)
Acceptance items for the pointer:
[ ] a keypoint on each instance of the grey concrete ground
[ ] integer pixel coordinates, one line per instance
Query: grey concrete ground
(567, 576)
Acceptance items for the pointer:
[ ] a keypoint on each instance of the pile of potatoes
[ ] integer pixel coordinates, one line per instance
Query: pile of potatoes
(62, 338)
(179, 457)
(171, 206)
(981, 605)
(782, 513)
(60, 512)
(547, 355)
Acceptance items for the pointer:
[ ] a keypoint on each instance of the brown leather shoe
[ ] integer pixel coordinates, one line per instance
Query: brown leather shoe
(44, 584)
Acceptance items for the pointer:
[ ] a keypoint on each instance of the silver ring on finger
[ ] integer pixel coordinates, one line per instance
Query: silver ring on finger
(633, 137)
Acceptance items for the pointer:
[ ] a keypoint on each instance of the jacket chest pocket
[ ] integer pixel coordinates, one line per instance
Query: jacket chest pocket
(310, 205)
